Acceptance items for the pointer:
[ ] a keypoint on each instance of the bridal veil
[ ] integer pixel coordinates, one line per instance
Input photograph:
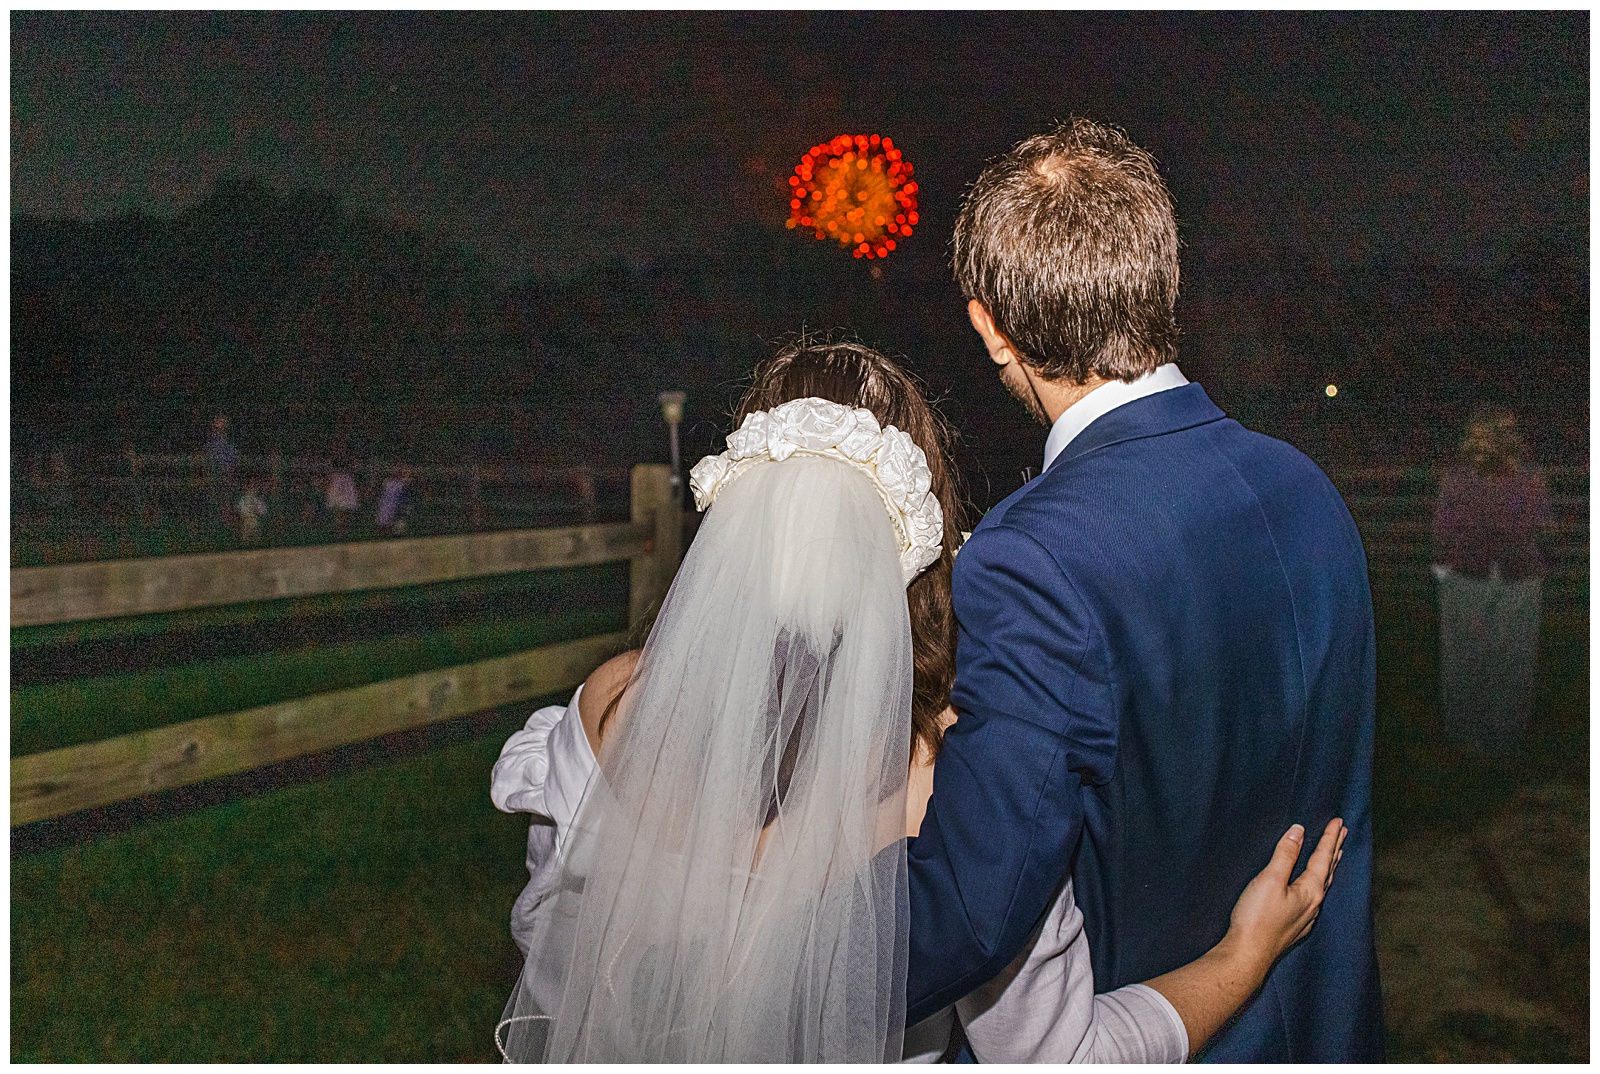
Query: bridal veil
(734, 885)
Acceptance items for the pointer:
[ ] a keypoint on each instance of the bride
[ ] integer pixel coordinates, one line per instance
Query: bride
(718, 853)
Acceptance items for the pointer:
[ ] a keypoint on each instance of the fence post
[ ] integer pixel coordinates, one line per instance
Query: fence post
(583, 481)
(653, 500)
(135, 502)
(475, 496)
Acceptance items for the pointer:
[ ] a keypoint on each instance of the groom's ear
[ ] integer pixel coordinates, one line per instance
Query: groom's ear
(1000, 349)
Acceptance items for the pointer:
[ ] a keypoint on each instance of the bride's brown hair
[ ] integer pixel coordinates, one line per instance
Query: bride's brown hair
(858, 376)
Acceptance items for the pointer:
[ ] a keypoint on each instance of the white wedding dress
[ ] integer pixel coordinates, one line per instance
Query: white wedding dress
(1042, 1009)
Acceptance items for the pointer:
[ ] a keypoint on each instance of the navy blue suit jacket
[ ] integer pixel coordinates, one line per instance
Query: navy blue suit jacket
(1165, 659)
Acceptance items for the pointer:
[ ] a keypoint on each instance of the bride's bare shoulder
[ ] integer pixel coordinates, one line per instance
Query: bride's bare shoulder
(600, 689)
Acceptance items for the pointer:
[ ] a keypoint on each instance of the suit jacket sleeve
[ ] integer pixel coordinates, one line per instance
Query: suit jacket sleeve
(1036, 723)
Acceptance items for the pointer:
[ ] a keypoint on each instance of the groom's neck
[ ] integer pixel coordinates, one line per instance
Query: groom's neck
(1057, 395)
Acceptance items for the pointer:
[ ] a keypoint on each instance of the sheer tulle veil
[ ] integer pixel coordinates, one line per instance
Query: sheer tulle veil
(734, 886)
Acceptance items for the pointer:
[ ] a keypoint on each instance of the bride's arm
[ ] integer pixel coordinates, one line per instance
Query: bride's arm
(919, 782)
(1269, 918)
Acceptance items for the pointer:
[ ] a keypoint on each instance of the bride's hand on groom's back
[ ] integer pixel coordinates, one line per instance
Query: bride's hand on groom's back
(1274, 913)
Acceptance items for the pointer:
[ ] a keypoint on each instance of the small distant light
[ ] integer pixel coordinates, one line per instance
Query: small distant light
(1331, 390)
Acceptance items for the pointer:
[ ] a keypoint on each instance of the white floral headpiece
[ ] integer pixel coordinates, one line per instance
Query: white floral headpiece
(894, 462)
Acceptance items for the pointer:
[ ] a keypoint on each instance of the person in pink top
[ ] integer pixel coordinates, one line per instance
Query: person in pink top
(1492, 509)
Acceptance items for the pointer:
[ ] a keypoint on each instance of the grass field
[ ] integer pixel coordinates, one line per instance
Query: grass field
(354, 908)
(360, 918)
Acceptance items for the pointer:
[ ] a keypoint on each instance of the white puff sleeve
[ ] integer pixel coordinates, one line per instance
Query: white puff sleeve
(517, 783)
(545, 768)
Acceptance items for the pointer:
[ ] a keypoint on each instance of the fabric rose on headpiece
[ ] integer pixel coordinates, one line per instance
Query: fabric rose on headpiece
(707, 475)
(862, 443)
(749, 439)
(903, 469)
(814, 425)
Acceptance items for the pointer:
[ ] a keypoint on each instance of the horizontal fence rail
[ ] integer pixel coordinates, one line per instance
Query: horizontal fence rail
(1393, 509)
(103, 590)
(56, 782)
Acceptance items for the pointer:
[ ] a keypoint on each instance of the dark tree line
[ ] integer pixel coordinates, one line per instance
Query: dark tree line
(320, 328)
(286, 306)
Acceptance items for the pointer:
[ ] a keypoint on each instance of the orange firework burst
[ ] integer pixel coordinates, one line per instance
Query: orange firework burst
(857, 190)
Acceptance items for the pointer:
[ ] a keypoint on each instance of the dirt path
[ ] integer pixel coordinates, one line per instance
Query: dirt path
(1483, 935)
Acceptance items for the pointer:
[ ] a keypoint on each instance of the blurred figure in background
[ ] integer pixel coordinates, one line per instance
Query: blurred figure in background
(343, 501)
(394, 503)
(252, 508)
(222, 470)
(1492, 508)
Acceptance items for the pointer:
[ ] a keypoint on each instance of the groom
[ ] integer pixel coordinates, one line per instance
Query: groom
(1166, 639)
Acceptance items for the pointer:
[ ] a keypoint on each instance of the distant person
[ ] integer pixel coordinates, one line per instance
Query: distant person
(222, 469)
(252, 509)
(1492, 506)
(308, 496)
(343, 500)
(394, 503)
(584, 484)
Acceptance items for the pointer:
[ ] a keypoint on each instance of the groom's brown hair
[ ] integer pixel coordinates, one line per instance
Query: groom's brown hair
(1070, 242)
(858, 376)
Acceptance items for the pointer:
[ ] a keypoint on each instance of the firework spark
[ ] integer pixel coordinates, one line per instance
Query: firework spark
(856, 190)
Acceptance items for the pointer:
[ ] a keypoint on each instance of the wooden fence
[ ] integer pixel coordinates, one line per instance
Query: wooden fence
(1393, 507)
(56, 782)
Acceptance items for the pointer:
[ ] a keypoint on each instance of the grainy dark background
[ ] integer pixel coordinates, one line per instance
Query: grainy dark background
(502, 234)
(459, 236)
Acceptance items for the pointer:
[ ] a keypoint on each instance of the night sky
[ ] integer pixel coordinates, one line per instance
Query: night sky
(550, 139)
(1305, 153)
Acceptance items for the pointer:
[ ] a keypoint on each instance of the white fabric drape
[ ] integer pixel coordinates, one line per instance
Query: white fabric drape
(734, 885)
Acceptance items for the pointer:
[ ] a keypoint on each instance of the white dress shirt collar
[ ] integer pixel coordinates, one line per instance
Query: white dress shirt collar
(1104, 399)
